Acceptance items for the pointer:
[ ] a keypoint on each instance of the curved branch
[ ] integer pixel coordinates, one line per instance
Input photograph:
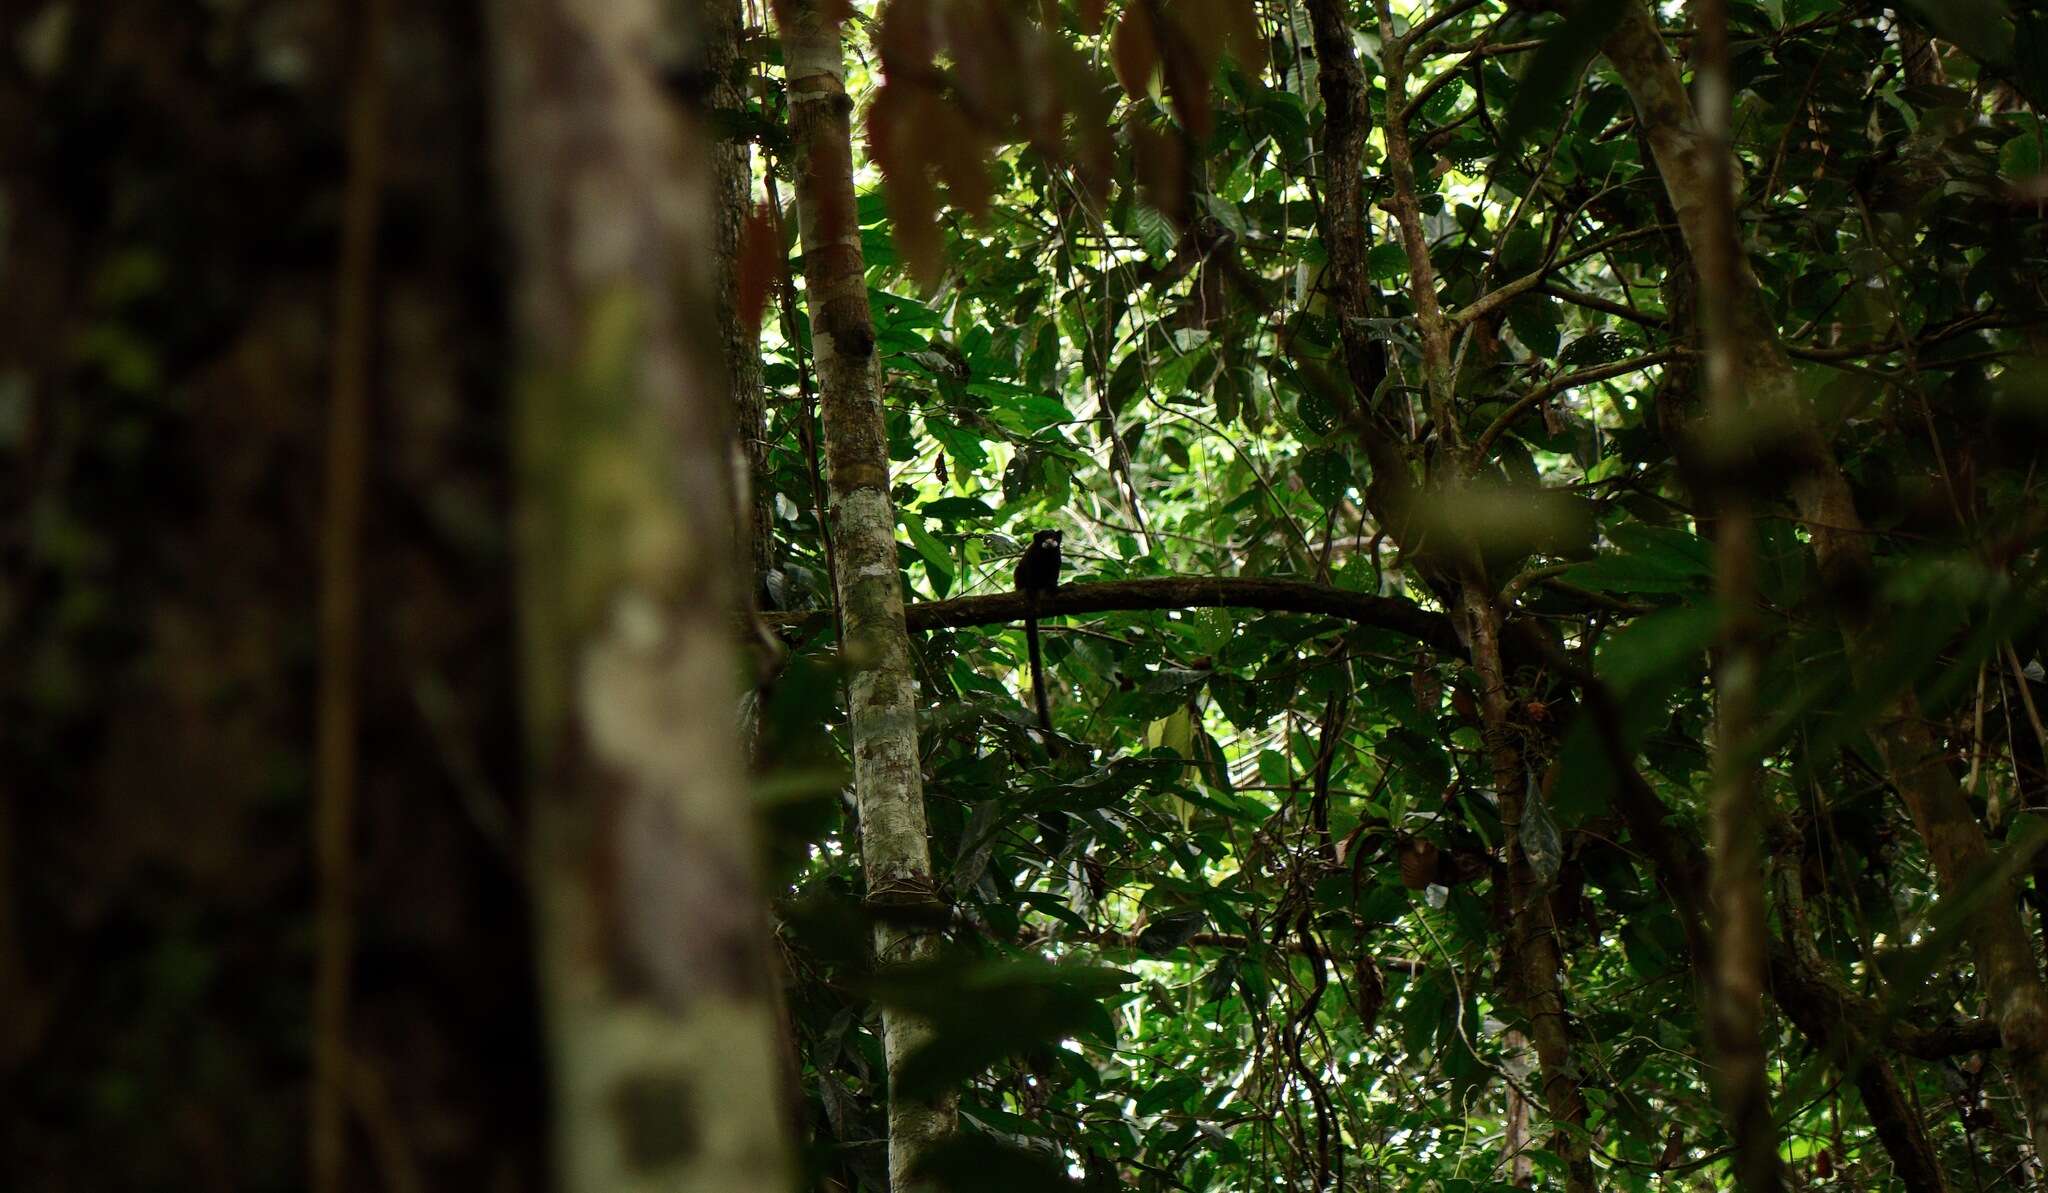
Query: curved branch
(1556, 385)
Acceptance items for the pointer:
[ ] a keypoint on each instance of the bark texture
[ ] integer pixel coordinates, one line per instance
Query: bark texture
(718, 22)
(1341, 223)
(653, 943)
(2015, 995)
(888, 782)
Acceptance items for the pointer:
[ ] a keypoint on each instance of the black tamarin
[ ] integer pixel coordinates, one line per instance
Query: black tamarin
(1038, 573)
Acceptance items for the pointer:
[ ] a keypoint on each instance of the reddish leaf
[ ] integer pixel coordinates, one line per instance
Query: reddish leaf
(759, 266)
(1187, 86)
(1134, 51)
(1161, 169)
(904, 36)
(1243, 40)
(962, 158)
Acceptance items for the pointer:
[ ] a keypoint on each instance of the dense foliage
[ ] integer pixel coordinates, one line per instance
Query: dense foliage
(1274, 908)
(1106, 310)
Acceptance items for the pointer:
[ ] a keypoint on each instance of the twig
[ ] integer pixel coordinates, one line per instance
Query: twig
(341, 534)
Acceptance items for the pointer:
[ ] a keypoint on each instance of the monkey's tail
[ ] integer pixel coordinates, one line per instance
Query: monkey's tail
(1038, 674)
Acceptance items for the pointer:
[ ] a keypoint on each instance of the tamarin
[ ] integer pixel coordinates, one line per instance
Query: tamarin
(1038, 573)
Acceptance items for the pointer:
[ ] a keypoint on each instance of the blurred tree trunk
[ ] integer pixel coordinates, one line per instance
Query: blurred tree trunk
(1733, 996)
(2003, 952)
(653, 943)
(889, 785)
(341, 554)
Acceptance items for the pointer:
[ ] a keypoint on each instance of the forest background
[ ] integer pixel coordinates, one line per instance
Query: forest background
(1547, 683)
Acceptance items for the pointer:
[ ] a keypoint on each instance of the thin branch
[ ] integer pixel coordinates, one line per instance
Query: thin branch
(1508, 291)
(341, 535)
(1556, 385)
(1607, 306)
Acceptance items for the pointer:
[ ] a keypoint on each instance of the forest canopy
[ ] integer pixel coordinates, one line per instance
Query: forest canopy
(534, 657)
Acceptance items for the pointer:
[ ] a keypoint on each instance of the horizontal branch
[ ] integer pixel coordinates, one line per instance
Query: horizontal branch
(1984, 322)
(1196, 592)
(1233, 941)
(1952, 1038)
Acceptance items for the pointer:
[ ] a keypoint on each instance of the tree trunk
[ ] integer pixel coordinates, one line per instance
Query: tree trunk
(1342, 222)
(652, 939)
(1532, 962)
(2012, 984)
(733, 174)
(888, 782)
(1734, 994)
(344, 500)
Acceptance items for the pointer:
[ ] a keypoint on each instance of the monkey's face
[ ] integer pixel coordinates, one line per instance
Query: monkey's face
(1038, 568)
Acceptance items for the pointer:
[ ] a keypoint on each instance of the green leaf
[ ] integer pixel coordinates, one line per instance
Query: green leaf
(1556, 67)
(1387, 262)
(2020, 157)
(1541, 842)
(1594, 348)
(1534, 320)
(938, 561)
(1154, 230)
(1165, 933)
(1326, 473)
(1317, 415)
(1978, 26)
(972, 1162)
(981, 1011)
(1422, 1012)
(954, 509)
(1630, 573)
(1655, 646)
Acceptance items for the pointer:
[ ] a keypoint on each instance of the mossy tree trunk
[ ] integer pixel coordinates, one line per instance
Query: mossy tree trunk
(889, 786)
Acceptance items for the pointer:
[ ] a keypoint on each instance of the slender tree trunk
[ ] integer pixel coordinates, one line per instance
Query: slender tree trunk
(1921, 57)
(653, 942)
(1342, 223)
(1517, 1063)
(1533, 962)
(1342, 218)
(1734, 1010)
(341, 549)
(2006, 970)
(888, 782)
(732, 170)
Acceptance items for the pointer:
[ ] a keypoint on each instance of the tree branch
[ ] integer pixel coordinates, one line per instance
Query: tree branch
(1196, 592)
